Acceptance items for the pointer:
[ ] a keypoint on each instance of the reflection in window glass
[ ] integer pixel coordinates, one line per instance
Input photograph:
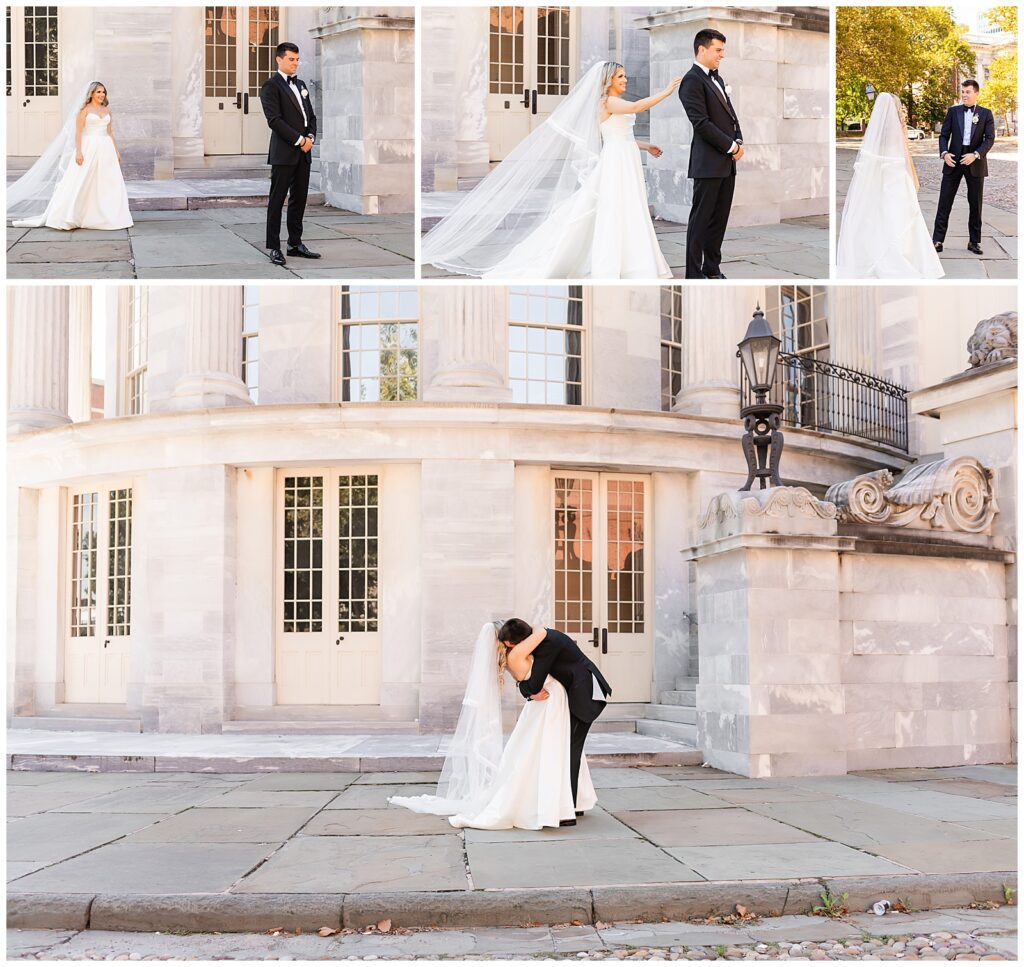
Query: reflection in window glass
(545, 360)
(379, 344)
(671, 344)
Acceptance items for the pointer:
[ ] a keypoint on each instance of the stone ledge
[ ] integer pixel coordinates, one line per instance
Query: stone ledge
(652, 902)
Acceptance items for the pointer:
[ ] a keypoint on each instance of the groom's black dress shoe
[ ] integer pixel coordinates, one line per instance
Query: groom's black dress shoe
(975, 248)
(567, 822)
(938, 246)
(719, 276)
(579, 812)
(303, 252)
(277, 257)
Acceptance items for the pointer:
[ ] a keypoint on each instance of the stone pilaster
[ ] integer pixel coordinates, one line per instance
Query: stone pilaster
(471, 344)
(37, 364)
(770, 695)
(367, 146)
(853, 332)
(714, 321)
(80, 353)
(213, 376)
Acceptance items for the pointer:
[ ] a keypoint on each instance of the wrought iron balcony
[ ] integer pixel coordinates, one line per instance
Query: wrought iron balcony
(820, 395)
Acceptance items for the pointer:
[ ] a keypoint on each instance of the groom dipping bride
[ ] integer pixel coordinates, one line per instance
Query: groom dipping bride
(540, 778)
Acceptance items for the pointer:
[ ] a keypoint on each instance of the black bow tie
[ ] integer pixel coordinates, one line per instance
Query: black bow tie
(291, 80)
(714, 73)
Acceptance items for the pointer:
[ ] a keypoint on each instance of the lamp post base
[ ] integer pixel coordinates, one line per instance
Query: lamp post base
(762, 444)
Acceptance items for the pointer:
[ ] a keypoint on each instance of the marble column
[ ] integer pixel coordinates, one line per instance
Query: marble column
(187, 87)
(213, 375)
(853, 329)
(80, 353)
(471, 346)
(37, 364)
(714, 321)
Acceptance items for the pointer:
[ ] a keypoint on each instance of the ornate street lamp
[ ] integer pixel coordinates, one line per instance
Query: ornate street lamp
(870, 92)
(762, 442)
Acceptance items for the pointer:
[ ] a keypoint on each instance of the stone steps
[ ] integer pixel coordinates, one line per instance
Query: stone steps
(672, 713)
(177, 202)
(679, 732)
(68, 723)
(307, 727)
(679, 696)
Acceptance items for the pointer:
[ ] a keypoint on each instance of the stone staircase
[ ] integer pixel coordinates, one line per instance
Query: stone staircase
(79, 718)
(674, 716)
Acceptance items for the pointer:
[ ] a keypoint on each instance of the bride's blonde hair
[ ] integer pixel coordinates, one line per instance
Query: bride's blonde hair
(92, 88)
(609, 71)
(502, 656)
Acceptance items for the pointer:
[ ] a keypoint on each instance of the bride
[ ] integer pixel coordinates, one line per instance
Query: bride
(569, 201)
(77, 181)
(524, 786)
(883, 234)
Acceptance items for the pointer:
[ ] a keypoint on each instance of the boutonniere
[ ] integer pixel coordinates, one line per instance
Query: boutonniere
(974, 118)
(305, 93)
(728, 90)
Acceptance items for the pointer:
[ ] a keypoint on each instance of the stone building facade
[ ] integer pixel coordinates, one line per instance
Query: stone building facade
(479, 62)
(303, 502)
(184, 87)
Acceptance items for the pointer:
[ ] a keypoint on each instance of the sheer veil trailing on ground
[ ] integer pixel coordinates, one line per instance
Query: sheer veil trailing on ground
(538, 175)
(471, 764)
(30, 195)
(883, 234)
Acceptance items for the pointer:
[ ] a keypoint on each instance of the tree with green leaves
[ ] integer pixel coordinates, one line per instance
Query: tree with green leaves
(912, 52)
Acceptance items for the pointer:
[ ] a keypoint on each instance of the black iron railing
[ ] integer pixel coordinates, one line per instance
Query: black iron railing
(819, 395)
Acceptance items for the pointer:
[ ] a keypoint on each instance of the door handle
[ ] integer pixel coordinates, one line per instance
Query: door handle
(604, 641)
(596, 645)
(245, 103)
(105, 643)
(25, 102)
(341, 638)
(533, 99)
(238, 99)
(526, 97)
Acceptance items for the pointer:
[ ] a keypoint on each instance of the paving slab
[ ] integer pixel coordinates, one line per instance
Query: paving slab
(19, 868)
(184, 250)
(936, 805)
(148, 869)
(742, 795)
(28, 800)
(272, 824)
(672, 796)
(985, 856)
(781, 861)
(247, 798)
(604, 778)
(50, 837)
(148, 799)
(330, 864)
(397, 778)
(287, 781)
(376, 797)
(35, 941)
(70, 250)
(709, 827)
(376, 822)
(596, 824)
(971, 788)
(600, 862)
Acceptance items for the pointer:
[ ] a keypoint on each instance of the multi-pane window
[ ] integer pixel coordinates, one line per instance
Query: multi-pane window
(799, 316)
(574, 554)
(379, 344)
(119, 563)
(84, 540)
(264, 36)
(506, 39)
(545, 359)
(671, 344)
(303, 553)
(553, 50)
(221, 33)
(357, 553)
(41, 50)
(136, 338)
(10, 53)
(626, 556)
(251, 340)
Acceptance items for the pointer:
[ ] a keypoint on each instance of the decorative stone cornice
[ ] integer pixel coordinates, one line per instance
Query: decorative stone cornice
(954, 494)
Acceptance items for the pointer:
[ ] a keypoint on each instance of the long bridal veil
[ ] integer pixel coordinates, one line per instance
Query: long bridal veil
(472, 761)
(538, 175)
(29, 196)
(883, 234)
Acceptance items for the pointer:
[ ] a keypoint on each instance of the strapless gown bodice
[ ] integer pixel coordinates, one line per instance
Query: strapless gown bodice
(96, 125)
(618, 128)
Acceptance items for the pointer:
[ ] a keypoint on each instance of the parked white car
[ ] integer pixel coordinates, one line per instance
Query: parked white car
(916, 134)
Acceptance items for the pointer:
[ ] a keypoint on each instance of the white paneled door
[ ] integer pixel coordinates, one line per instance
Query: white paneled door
(533, 64)
(239, 55)
(99, 580)
(602, 581)
(33, 79)
(328, 625)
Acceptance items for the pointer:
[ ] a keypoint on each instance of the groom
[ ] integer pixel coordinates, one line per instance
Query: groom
(717, 146)
(289, 110)
(587, 690)
(968, 131)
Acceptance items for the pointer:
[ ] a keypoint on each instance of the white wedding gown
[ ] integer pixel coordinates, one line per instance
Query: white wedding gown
(883, 234)
(531, 788)
(603, 230)
(91, 194)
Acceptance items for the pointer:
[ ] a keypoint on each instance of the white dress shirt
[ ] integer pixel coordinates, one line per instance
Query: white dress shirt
(294, 88)
(707, 70)
(968, 126)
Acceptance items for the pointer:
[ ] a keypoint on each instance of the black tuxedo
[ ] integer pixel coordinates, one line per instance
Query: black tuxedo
(712, 168)
(951, 139)
(560, 657)
(290, 165)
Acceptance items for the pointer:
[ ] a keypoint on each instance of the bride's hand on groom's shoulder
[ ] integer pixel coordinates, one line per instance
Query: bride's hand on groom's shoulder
(673, 84)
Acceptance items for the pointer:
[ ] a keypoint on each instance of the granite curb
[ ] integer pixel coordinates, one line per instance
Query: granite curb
(238, 913)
